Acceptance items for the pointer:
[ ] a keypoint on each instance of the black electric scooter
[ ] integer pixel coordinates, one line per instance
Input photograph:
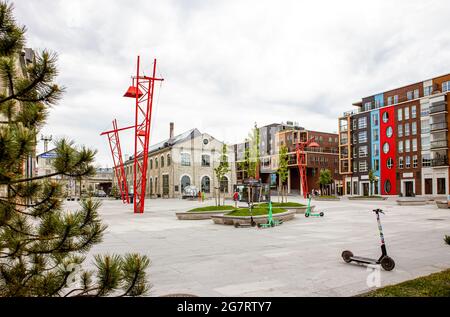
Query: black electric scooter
(386, 262)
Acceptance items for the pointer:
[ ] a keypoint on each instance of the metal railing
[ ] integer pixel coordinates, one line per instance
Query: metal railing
(439, 144)
(438, 126)
(442, 161)
(438, 108)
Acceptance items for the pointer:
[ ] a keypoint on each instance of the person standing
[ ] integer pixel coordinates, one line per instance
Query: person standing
(236, 198)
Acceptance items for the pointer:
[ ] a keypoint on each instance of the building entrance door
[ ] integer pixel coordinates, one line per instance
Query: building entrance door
(409, 189)
(365, 189)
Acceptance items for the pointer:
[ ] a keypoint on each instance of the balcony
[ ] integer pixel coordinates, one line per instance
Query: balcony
(438, 126)
(438, 108)
(439, 144)
(442, 161)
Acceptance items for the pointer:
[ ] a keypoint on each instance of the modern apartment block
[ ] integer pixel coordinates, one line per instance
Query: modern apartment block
(273, 136)
(402, 136)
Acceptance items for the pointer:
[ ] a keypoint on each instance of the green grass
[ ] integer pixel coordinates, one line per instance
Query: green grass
(434, 285)
(281, 205)
(212, 208)
(373, 196)
(256, 212)
(326, 196)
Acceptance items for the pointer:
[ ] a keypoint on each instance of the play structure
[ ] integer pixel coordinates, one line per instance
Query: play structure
(142, 91)
(308, 212)
(301, 161)
(251, 191)
(386, 262)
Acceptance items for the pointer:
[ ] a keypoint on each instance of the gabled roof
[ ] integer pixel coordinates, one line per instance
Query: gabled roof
(192, 133)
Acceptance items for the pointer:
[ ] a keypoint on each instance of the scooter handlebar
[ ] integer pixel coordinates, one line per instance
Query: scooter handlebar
(378, 211)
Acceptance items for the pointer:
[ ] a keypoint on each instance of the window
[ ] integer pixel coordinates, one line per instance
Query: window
(165, 184)
(354, 152)
(396, 99)
(385, 117)
(413, 112)
(387, 186)
(386, 148)
(389, 163)
(363, 166)
(414, 128)
(409, 95)
(330, 139)
(407, 162)
(362, 123)
(156, 162)
(376, 165)
(355, 167)
(425, 143)
(185, 159)
(389, 101)
(205, 184)
(367, 106)
(363, 151)
(406, 113)
(441, 184)
(224, 185)
(168, 160)
(376, 150)
(400, 130)
(377, 104)
(185, 181)
(406, 129)
(205, 160)
(162, 161)
(425, 127)
(426, 160)
(407, 145)
(399, 114)
(375, 119)
(416, 93)
(446, 86)
(414, 161)
(375, 136)
(400, 146)
(354, 124)
(414, 145)
(151, 164)
(389, 132)
(362, 137)
(400, 162)
(427, 90)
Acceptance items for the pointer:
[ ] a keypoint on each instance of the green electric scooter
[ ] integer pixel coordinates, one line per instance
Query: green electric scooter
(308, 212)
(270, 221)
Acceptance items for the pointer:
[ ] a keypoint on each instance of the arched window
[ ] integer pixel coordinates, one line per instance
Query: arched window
(151, 164)
(151, 186)
(168, 160)
(205, 184)
(156, 162)
(387, 186)
(224, 185)
(185, 181)
(162, 161)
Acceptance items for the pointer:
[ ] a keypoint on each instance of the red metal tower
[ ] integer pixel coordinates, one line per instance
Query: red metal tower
(142, 91)
(119, 170)
(301, 161)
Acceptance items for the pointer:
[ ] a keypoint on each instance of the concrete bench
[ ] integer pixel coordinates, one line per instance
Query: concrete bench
(245, 220)
(412, 202)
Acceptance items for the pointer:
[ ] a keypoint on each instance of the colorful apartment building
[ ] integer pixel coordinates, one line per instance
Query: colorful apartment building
(400, 135)
(273, 136)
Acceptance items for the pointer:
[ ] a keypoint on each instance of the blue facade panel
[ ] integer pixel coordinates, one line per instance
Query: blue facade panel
(375, 146)
(379, 100)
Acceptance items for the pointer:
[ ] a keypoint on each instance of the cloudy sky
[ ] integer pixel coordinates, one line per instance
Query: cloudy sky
(230, 63)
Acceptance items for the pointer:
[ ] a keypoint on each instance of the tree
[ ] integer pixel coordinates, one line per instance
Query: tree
(222, 169)
(325, 178)
(42, 246)
(372, 180)
(250, 165)
(114, 191)
(282, 171)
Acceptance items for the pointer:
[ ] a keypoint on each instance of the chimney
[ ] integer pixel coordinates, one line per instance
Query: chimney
(171, 131)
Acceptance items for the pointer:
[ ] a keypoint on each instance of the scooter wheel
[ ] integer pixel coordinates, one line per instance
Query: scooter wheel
(347, 255)
(387, 263)
(306, 215)
(237, 225)
(321, 214)
(253, 224)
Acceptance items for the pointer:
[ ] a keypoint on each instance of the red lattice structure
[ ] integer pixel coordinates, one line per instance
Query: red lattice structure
(141, 90)
(301, 162)
(119, 170)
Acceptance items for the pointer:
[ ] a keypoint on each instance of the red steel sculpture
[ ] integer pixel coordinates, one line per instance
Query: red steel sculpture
(301, 161)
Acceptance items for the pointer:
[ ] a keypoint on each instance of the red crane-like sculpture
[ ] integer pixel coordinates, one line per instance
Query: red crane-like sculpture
(141, 90)
(301, 161)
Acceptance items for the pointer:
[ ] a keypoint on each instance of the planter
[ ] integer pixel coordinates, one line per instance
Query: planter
(245, 220)
(411, 202)
(326, 199)
(442, 204)
(367, 198)
(200, 215)
(299, 210)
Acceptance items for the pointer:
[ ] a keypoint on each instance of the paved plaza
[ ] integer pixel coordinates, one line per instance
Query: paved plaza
(300, 258)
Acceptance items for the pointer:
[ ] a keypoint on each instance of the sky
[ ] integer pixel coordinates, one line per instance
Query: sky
(228, 64)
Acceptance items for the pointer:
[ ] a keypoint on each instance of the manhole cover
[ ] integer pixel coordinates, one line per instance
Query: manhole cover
(436, 219)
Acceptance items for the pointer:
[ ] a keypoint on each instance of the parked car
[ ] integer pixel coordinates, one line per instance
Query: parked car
(190, 192)
(101, 193)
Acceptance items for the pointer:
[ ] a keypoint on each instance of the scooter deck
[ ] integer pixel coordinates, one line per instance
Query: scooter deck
(364, 260)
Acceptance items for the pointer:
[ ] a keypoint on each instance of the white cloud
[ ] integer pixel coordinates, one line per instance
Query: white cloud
(230, 63)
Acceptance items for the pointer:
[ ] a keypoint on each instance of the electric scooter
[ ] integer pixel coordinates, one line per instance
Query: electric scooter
(387, 263)
(270, 221)
(308, 210)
